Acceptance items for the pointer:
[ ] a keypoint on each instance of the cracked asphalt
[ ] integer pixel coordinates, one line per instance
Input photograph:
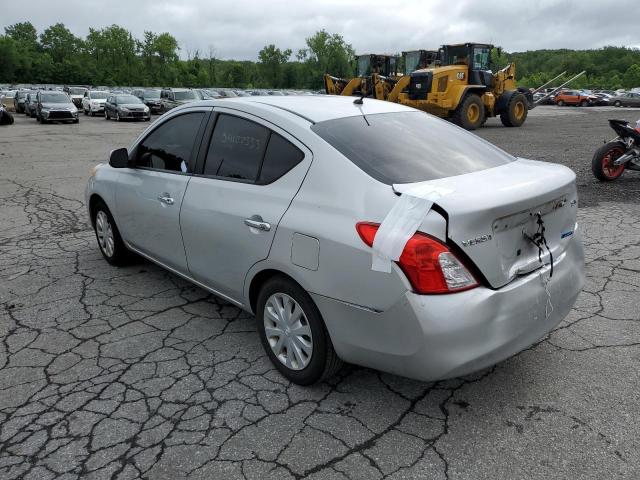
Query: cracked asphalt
(132, 372)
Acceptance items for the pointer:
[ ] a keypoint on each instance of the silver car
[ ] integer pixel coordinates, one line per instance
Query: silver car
(365, 232)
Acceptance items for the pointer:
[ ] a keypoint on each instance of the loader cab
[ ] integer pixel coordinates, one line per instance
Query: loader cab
(476, 56)
(385, 65)
(419, 59)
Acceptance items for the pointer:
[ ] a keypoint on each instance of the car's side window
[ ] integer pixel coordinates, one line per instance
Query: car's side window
(236, 149)
(280, 157)
(169, 146)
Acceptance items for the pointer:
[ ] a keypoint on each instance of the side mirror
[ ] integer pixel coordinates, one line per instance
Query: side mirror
(119, 158)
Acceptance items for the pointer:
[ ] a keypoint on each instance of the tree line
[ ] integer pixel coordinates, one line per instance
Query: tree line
(113, 56)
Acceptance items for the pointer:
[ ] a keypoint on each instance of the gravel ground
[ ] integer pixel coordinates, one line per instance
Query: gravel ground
(132, 372)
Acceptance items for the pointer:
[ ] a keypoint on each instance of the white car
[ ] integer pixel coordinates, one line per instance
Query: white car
(355, 230)
(93, 102)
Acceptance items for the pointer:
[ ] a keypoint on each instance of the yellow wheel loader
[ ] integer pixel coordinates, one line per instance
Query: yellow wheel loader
(363, 84)
(462, 89)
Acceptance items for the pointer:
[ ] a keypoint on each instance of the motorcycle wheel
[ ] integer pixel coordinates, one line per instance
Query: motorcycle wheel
(602, 163)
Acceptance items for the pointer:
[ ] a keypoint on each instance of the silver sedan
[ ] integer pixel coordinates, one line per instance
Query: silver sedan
(365, 232)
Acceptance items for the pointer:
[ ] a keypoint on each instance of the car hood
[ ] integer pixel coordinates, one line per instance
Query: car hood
(59, 106)
(132, 106)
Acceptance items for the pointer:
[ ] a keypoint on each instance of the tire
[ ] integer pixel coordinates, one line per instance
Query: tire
(560, 103)
(118, 117)
(516, 111)
(617, 103)
(92, 113)
(106, 115)
(114, 252)
(77, 120)
(322, 362)
(584, 103)
(84, 111)
(601, 161)
(470, 112)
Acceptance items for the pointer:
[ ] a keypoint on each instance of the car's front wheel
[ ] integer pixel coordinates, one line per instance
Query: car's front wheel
(293, 333)
(108, 236)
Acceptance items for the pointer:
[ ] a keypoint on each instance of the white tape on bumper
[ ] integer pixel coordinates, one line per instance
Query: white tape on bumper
(402, 221)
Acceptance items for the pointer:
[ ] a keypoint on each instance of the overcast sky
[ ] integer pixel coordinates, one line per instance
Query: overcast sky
(240, 28)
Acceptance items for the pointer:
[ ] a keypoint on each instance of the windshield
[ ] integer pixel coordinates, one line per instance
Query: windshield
(99, 95)
(481, 58)
(186, 95)
(363, 65)
(151, 94)
(407, 147)
(127, 99)
(411, 61)
(55, 98)
(77, 90)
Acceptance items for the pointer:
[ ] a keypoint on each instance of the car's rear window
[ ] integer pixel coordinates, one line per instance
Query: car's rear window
(407, 147)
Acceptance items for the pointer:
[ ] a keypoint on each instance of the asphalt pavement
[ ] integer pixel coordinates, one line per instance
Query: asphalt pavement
(132, 372)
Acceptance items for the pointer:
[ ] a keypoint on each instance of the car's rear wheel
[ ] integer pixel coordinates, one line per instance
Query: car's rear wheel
(109, 240)
(584, 103)
(106, 114)
(617, 103)
(293, 333)
(560, 103)
(117, 116)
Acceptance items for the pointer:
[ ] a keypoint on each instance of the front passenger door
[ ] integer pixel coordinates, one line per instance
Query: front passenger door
(149, 196)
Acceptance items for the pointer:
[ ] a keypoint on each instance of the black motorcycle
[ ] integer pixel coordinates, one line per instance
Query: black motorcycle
(611, 159)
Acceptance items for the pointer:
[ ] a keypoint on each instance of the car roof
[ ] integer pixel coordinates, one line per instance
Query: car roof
(313, 108)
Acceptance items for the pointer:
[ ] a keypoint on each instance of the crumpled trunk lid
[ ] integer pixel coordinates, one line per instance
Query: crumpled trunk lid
(492, 212)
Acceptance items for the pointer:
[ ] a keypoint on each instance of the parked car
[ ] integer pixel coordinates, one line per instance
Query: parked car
(93, 102)
(602, 99)
(124, 106)
(30, 104)
(282, 207)
(174, 97)
(54, 105)
(575, 97)
(6, 100)
(628, 99)
(150, 97)
(76, 93)
(19, 99)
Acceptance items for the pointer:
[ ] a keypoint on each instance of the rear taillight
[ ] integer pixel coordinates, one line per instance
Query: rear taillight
(428, 263)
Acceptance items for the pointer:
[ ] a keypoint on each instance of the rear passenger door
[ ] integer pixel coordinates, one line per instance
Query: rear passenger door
(248, 175)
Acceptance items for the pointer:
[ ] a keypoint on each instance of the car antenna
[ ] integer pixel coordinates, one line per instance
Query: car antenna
(358, 102)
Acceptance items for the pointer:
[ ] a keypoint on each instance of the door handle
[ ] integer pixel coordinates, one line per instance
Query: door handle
(257, 223)
(166, 199)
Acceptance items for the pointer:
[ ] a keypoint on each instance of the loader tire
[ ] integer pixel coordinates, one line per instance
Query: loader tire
(470, 112)
(516, 112)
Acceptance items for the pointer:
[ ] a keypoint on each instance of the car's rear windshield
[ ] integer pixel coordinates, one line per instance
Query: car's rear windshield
(55, 98)
(187, 95)
(127, 99)
(151, 94)
(77, 90)
(97, 94)
(407, 147)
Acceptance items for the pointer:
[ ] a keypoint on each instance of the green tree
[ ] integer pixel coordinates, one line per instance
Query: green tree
(631, 77)
(327, 53)
(272, 60)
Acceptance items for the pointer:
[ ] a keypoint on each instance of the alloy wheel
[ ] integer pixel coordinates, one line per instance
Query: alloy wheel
(287, 331)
